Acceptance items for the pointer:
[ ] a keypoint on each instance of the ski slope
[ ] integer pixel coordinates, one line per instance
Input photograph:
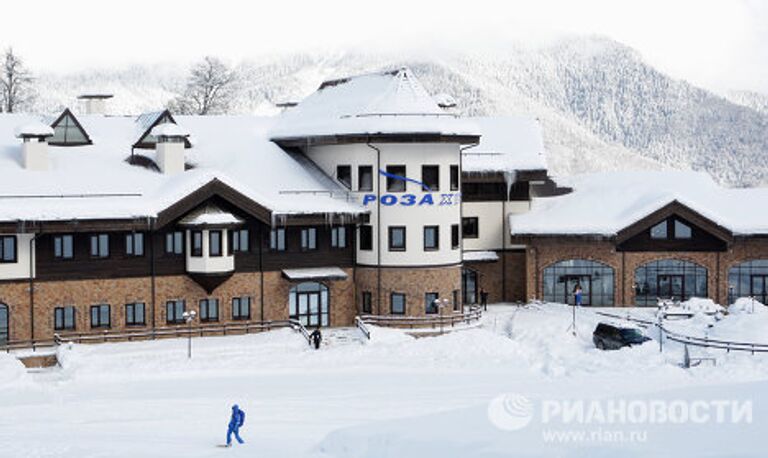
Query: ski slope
(394, 396)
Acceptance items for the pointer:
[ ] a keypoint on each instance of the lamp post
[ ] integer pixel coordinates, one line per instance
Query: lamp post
(189, 317)
(441, 304)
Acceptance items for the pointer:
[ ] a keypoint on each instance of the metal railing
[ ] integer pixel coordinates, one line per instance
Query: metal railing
(702, 342)
(474, 314)
(157, 333)
(362, 327)
(297, 326)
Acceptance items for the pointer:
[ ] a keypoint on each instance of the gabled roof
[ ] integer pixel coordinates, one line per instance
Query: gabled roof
(674, 208)
(62, 126)
(145, 122)
(613, 203)
(375, 104)
(508, 144)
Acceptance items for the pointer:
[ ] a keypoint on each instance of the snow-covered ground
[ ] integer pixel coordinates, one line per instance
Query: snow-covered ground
(395, 396)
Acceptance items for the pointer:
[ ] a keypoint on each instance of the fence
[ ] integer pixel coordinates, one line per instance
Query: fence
(435, 321)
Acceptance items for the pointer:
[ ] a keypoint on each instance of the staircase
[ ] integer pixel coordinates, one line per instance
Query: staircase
(335, 337)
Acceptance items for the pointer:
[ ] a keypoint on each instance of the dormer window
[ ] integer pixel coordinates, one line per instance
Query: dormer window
(659, 231)
(682, 230)
(67, 131)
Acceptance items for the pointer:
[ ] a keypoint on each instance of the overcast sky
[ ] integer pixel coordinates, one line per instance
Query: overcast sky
(720, 44)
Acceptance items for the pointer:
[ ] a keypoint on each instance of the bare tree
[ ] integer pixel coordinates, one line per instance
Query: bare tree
(15, 83)
(211, 89)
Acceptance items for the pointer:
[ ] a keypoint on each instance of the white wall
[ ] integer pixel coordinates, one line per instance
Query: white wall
(35, 155)
(492, 232)
(207, 263)
(20, 268)
(414, 218)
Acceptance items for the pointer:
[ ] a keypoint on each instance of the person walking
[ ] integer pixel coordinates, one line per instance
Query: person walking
(484, 299)
(577, 294)
(236, 421)
(317, 338)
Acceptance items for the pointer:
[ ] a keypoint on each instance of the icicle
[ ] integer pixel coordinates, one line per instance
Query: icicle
(510, 177)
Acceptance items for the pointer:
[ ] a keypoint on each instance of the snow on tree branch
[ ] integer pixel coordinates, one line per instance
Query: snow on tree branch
(16, 92)
(211, 89)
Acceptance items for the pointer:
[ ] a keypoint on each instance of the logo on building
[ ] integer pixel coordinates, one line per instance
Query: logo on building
(412, 200)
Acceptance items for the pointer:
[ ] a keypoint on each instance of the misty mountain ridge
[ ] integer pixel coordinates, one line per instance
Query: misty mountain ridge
(601, 106)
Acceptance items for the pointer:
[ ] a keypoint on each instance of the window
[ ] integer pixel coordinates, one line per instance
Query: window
(174, 242)
(397, 304)
(682, 230)
(214, 243)
(209, 310)
(396, 184)
(365, 178)
(277, 240)
(241, 308)
(366, 237)
(64, 318)
(455, 239)
(174, 311)
(430, 303)
(339, 237)
(308, 303)
(344, 175)
(135, 314)
(659, 231)
(430, 176)
(749, 279)
(454, 178)
(239, 241)
(469, 227)
(67, 131)
(100, 316)
(197, 243)
(669, 278)
(134, 244)
(397, 238)
(456, 303)
(431, 238)
(100, 246)
(595, 279)
(366, 306)
(309, 238)
(63, 247)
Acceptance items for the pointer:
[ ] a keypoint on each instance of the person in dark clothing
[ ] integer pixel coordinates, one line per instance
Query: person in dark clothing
(235, 422)
(317, 338)
(484, 299)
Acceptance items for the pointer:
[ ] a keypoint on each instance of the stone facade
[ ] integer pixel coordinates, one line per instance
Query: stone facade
(82, 294)
(413, 282)
(503, 280)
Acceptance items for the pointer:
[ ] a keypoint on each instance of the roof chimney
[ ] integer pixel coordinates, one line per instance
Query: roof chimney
(169, 147)
(95, 103)
(34, 150)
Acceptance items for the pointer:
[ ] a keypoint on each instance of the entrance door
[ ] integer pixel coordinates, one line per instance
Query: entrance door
(469, 286)
(570, 282)
(759, 287)
(309, 304)
(3, 324)
(671, 286)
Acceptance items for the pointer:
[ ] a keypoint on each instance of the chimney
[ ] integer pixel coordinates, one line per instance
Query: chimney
(169, 148)
(34, 148)
(95, 103)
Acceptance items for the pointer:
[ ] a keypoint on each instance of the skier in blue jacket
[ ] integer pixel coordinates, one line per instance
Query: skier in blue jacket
(235, 422)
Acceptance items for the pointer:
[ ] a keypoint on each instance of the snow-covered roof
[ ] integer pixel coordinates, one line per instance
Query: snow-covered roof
(391, 102)
(168, 129)
(480, 256)
(210, 215)
(607, 202)
(33, 128)
(507, 144)
(95, 181)
(315, 273)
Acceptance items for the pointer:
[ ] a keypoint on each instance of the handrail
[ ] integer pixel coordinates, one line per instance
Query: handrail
(152, 334)
(362, 327)
(475, 313)
(297, 326)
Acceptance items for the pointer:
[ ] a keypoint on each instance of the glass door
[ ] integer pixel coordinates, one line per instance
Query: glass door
(671, 286)
(758, 288)
(570, 282)
(469, 286)
(3, 324)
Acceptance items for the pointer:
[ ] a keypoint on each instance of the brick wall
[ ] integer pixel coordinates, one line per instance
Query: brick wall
(413, 282)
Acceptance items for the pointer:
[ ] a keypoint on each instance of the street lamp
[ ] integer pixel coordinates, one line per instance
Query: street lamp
(441, 304)
(189, 317)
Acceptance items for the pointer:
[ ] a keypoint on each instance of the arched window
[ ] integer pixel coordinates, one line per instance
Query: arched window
(595, 279)
(4, 319)
(748, 279)
(669, 279)
(308, 302)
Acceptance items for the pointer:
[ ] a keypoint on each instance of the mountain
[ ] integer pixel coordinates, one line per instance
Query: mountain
(602, 107)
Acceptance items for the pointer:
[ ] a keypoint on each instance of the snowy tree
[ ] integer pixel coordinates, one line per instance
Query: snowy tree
(15, 83)
(211, 89)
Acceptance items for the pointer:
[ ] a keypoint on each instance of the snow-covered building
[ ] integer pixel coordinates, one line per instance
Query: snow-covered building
(368, 197)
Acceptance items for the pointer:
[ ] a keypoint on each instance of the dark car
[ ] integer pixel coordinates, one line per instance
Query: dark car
(609, 336)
